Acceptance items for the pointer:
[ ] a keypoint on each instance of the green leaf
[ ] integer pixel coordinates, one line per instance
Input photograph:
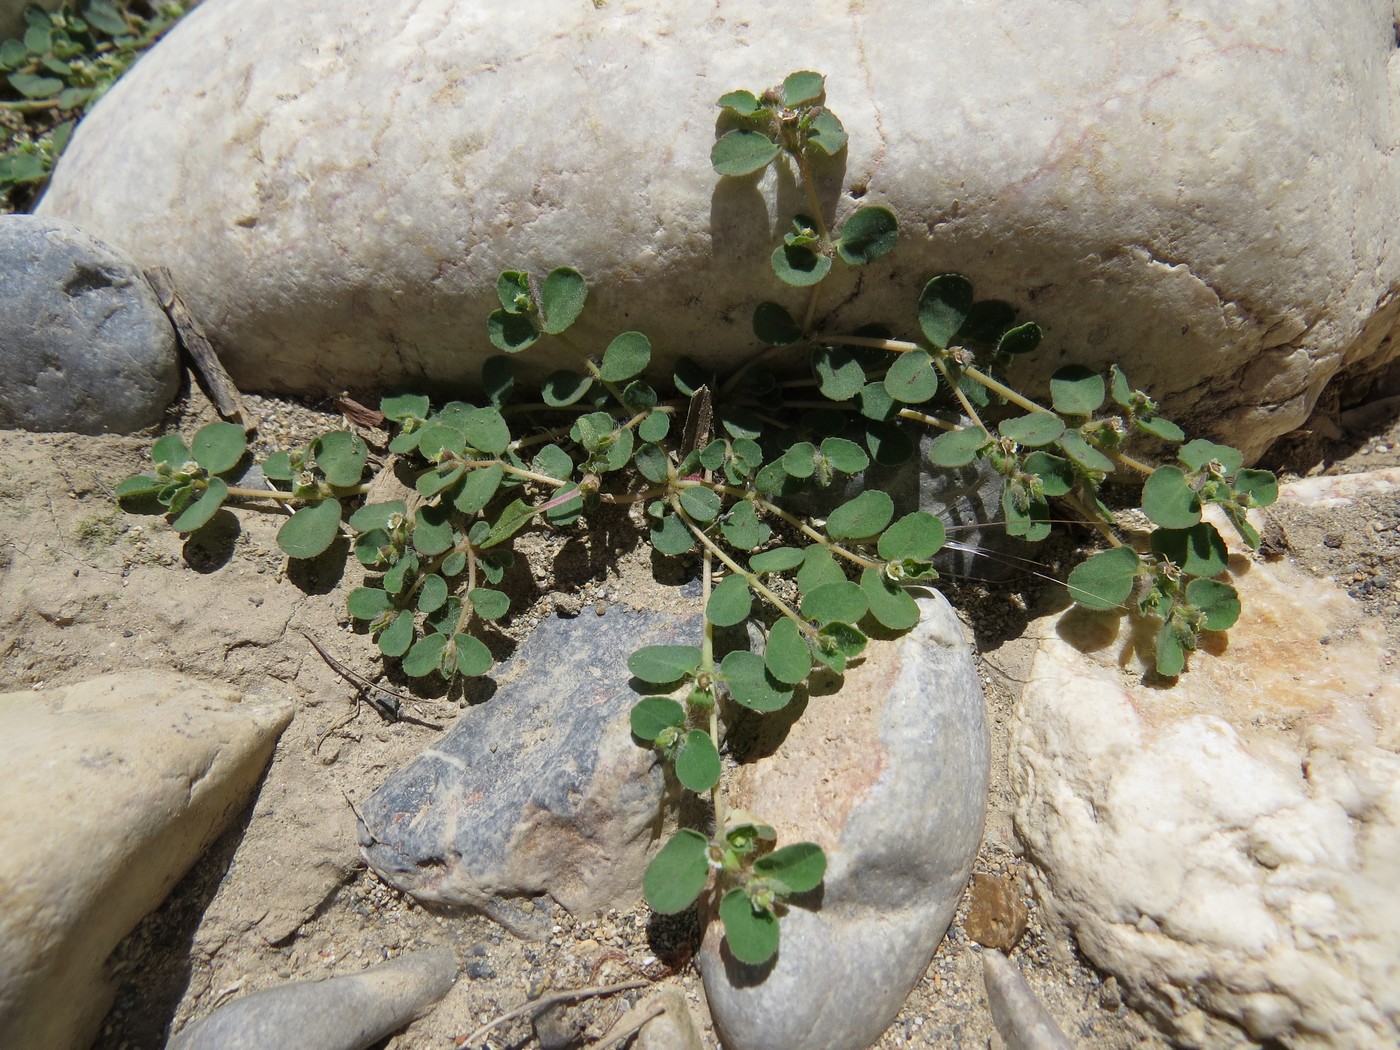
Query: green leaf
(30, 85)
(664, 664)
(826, 133)
(677, 873)
(425, 656)
(497, 379)
(219, 446)
(489, 604)
(918, 535)
(1073, 445)
(430, 483)
(626, 356)
(1219, 601)
(366, 603)
(1159, 428)
(1035, 429)
(943, 306)
(652, 462)
(774, 325)
(405, 407)
(912, 378)
(750, 932)
(477, 490)
(311, 530)
(398, 575)
(198, 513)
(473, 658)
(1055, 474)
(1171, 655)
(562, 299)
(818, 568)
(1196, 454)
(957, 448)
(138, 486)
(1076, 390)
(787, 657)
(744, 103)
(655, 427)
(653, 715)
(1119, 388)
(511, 332)
(432, 530)
(890, 604)
(513, 289)
(799, 867)
(438, 438)
(697, 761)
(779, 559)
(840, 376)
(845, 456)
(837, 644)
(552, 461)
(1199, 550)
(395, 639)
(1169, 500)
(514, 518)
(803, 87)
(1105, 580)
(341, 457)
(170, 450)
(700, 503)
(831, 602)
(742, 529)
(672, 537)
(106, 18)
(1259, 485)
(799, 265)
(863, 516)
(750, 684)
(867, 235)
(432, 594)
(487, 431)
(729, 602)
(564, 387)
(742, 152)
(800, 461)
(1027, 514)
(1022, 339)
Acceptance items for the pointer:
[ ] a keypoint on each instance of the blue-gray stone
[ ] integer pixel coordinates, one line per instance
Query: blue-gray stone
(539, 790)
(84, 344)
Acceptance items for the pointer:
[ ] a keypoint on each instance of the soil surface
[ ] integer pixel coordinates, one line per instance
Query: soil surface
(86, 589)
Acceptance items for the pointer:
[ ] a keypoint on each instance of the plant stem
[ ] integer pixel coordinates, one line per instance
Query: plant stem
(962, 398)
(707, 665)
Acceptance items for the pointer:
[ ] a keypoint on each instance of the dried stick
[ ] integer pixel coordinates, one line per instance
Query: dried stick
(207, 365)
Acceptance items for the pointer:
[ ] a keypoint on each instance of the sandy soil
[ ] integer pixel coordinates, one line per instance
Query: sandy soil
(87, 589)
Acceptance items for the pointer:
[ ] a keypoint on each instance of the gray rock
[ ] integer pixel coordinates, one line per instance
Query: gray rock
(112, 789)
(540, 790)
(890, 778)
(339, 1013)
(1021, 1021)
(331, 230)
(84, 344)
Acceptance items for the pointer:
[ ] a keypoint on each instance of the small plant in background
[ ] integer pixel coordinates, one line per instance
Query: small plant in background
(715, 466)
(54, 73)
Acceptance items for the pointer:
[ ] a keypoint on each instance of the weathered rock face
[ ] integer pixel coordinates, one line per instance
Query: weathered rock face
(84, 344)
(1226, 847)
(112, 789)
(540, 790)
(889, 777)
(335, 184)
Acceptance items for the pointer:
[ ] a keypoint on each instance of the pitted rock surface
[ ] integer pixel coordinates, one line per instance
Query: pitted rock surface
(337, 192)
(541, 789)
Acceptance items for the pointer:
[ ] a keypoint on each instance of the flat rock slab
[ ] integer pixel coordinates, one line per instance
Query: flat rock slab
(112, 789)
(541, 789)
(1225, 846)
(335, 184)
(84, 344)
(889, 776)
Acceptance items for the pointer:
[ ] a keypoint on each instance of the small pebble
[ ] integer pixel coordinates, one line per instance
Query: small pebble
(996, 912)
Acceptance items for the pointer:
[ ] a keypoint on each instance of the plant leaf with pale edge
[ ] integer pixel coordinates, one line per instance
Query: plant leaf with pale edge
(626, 356)
(1259, 485)
(867, 235)
(365, 603)
(138, 486)
(943, 306)
(831, 602)
(1074, 446)
(219, 446)
(1055, 473)
(774, 325)
(742, 152)
(1169, 500)
(564, 387)
(799, 266)
(1196, 454)
(729, 602)
(788, 657)
(742, 529)
(750, 684)
(779, 559)
(671, 537)
(912, 378)
(404, 406)
(800, 867)
(890, 604)
(1171, 654)
(700, 503)
(487, 431)
(477, 490)
(827, 133)
(198, 513)
(845, 456)
(341, 456)
(1076, 390)
(1164, 429)
(818, 568)
(838, 643)
(677, 873)
(744, 103)
(1219, 601)
(511, 332)
(562, 298)
(1020, 340)
(489, 604)
(425, 657)
(170, 450)
(473, 658)
(752, 934)
(800, 460)
(957, 448)
(1105, 580)
(697, 761)
(1199, 550)
(664, 664)
(653, 715)
(1035, 429)
(311, 530)
(395, 639)
(432, 530)
(863, 516)
(432, 594)
(918, 535)
(804, 86)
(839, 375)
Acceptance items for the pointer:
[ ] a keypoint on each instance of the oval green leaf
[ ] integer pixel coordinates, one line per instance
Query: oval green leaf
(677, 873)
(751, 685)
(473, 658)
(774, 325)
(912, 378)
(1033, 430)
(626, 356)
(562, 298)
(1169, 500)
(425, 657)
(891, 605)
(1105, 580)
(729, 602)
(867, 235)
(664, 664)
(653, 715)
(311, 530)
(219, 446)
(787, 657)
(957, 448)
(198, 513)
(943, 306)
(800, 867)
(799, 265)
(842, 602)
(1076, 390)
(697, 761)
(863, 516)
(742, 152)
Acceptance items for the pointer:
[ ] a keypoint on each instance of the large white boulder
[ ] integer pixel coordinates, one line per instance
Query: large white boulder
(1205, 192)
(112, 789)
